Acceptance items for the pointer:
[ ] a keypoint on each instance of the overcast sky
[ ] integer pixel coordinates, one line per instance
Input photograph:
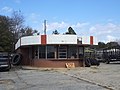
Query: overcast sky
(100, 18)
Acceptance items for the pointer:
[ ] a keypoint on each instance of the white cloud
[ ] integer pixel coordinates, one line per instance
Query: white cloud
(57, 25)
(64, 25)
(110, 20)
(107, 32)
(6, 9)
(104, 29)
(33, 17)
(80, 25)
(110, 38)
(17, 1)
(35, 21)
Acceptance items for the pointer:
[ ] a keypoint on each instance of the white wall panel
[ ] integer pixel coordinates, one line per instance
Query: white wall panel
(31, 40)
(61, 39)
(85, 39)
(17, 45)
(95, 41)
(54, 39)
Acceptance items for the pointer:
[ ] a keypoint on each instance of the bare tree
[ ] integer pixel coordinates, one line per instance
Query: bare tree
(17, 21)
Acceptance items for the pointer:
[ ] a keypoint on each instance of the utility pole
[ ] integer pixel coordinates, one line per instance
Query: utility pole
(44, 27)
(45, 34)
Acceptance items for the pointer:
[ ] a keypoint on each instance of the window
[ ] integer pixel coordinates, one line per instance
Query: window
(50, 52)
(36, 52)
(42, 51)
(62, 52)
(45, 52)
(72, 51)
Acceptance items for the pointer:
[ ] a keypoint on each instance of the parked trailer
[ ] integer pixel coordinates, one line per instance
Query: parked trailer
(111, 54)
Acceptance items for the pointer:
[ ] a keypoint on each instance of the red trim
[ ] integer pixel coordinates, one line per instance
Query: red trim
(43, 39)
(91, 40)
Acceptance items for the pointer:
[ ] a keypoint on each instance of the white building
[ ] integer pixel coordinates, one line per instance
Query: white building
(53, 50)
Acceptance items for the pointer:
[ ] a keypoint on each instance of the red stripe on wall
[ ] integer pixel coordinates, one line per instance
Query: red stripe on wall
(91, 40)
(43, 39)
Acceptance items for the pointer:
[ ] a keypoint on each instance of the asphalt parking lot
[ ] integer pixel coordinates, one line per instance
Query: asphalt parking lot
(103, 77)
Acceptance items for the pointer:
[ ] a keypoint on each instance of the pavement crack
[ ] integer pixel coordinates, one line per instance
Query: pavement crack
(26, 84)
(86, 80)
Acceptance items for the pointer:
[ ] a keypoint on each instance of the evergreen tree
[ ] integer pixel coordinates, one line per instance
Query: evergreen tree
(55, 32)
(6, 36)
(70, 31)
